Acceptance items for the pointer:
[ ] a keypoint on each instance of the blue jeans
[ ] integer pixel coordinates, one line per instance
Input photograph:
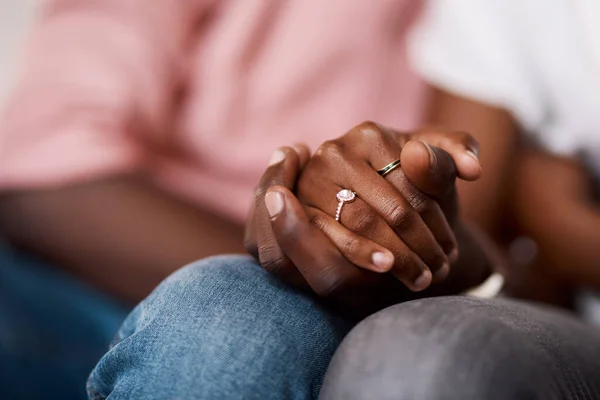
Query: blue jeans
(53, 329)
(223, 328)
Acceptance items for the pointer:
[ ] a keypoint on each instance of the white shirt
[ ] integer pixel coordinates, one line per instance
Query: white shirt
(538, 59)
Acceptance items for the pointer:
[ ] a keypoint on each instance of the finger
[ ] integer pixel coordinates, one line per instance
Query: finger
(438, 223)
(360, 218)
(433, 172)
(380, 196)
(430, 169)
(351, 167)
(462, 147)
(357, 249)
(435, 219)
(409, 267)
(278, 172)
(397, 211)
(321, 264)
(283, 171)
(284, 166)
(303, 152)
(433, 197)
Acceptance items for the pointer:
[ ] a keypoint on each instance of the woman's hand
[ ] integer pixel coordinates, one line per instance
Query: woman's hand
(410, 211)
(401, 223)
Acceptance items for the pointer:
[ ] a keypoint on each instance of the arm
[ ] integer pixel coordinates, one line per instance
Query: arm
(123, 235)
(553, 203)
(471, 50)
(481, 201)
(495, 131)
(98, 73)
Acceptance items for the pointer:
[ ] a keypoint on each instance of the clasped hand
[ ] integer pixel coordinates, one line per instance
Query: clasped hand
(395, 237)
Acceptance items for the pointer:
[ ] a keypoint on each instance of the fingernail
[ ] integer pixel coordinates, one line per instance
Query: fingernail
(383, 261)
(453, 255)
(274, 203)
(432, 157)
(277, 157)
(423, 281)
(442, 272)
(473, 155)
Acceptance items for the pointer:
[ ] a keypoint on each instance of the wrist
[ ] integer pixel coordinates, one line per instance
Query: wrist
(568, 243)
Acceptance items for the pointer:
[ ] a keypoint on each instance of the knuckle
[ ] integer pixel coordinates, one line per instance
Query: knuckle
(402, 217)
(351, 245)
(369, 130)
(330, 150)
(420, 202)
(317, 219)
(365, 222)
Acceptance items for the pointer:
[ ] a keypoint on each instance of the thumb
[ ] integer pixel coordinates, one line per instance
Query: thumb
(461, 146)
(430, 169)
(283, 170)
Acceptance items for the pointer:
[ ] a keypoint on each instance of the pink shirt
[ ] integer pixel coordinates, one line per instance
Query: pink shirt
(198, 93)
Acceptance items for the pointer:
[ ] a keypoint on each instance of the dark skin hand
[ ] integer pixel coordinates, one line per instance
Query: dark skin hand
(402, 232)
(123, 234)
(548, 196)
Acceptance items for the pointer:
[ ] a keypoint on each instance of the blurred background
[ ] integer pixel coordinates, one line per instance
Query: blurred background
(16, 18)
(140, 167)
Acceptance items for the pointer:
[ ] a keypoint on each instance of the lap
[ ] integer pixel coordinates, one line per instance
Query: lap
(225, 328)
(53, 329)
(461, 347)
(221, 328)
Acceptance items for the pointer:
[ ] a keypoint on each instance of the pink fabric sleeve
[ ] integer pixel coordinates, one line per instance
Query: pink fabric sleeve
(97, 83)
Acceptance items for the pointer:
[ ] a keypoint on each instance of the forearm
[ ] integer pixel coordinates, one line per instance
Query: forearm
(553, 204)
(568, 241)
(122, 235)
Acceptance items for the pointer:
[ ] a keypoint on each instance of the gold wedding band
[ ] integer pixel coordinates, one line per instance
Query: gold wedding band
(389, 168)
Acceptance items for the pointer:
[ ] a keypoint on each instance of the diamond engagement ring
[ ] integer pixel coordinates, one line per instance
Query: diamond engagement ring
(343, 196)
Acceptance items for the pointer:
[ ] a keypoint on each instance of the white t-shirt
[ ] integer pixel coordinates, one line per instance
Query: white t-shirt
(538, 59)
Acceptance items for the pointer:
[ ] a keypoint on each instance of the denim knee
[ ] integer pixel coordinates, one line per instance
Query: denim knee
(220, 328)
(437, 349)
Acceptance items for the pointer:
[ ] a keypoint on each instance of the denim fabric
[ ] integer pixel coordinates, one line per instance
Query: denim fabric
(53, 329)
(221, 328)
